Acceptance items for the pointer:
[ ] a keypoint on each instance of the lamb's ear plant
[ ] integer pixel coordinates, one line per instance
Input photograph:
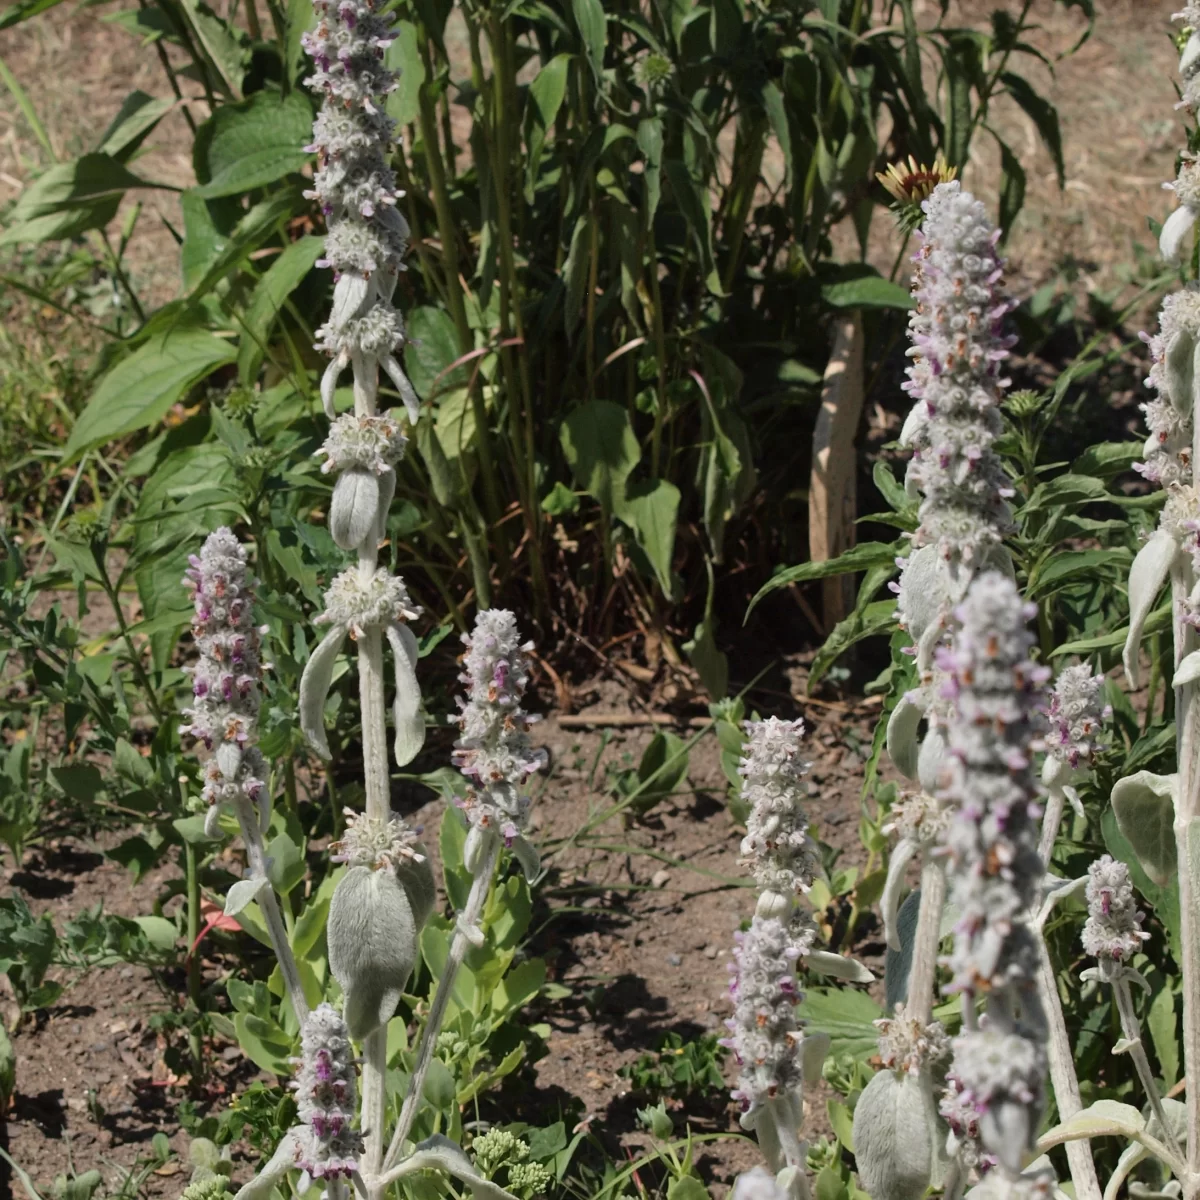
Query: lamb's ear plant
(387, 891)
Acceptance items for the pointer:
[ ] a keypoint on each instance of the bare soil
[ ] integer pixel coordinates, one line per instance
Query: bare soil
(637, 922)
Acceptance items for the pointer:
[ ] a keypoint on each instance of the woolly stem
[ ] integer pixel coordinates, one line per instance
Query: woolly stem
(1055, 803)
(377, 785)
(922, 975)
(256, 859)
(1185, 750)
(1131, 1028)
(1063, 1078)
(468, 918)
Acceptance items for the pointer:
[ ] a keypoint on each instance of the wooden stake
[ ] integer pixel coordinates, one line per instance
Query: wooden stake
(832, 497)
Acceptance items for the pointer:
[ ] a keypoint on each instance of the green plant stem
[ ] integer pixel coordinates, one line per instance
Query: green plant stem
(192, 870)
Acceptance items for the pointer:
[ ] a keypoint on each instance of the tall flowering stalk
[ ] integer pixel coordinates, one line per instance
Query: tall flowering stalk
(224, 717)
(999, 1064)
(495, 754)
(773, 1054)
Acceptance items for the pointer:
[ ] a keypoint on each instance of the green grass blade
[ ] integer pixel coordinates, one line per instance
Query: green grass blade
(26, 106)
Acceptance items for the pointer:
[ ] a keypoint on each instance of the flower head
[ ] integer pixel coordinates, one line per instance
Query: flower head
(367, 842)
(994, 866)
(909, 1045)
(373, 444)
(225, 680)
(494, 750)
(1076, 717)
(909, 183)
(776, 843)
(957, 348)
(356, 604)
(765, 1033)
(326, 1144)
(1113, 931)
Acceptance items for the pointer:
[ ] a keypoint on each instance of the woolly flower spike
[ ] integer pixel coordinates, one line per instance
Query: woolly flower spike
(355, 604)
(364, 449)
(1180, 223)
(367, 237)
(1113, 932)
(1173, 352)
(326, 1146)
(776, 844)
(1076, 717)
(993, 862)
(225, 681)
(494, 750)
(958, 345)
(1189, 59)
(766, 1038)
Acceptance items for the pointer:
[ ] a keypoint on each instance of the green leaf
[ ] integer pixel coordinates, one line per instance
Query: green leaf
(432, 346)
(287, 867)
(518, 988)
(1065, 567)
(546, 91)
(1107, 459)
(404, 57)
(264, 1043)
(248, 145)
(866, 621)
(651, 510)
(691, 194)
(138, 115)
(685, 1187)
(1012, 186)
(711, 663)
(70, 198)
(1044, 116)
(226, 46)
(866, 291)
(847, 1016)
(664, 766)
(589, 17)
(140, 389)
(601, 448)
(80, 781)
(283, 277)
(22, 10)
(192, 830)
(650, 143)
(1163, 1023)
(858, 558)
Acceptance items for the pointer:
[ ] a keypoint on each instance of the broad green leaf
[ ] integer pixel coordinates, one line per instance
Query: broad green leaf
(589, 17)
(248, 145)
(404, 57)
(1107, 459)
(1065, 567)
(867, 291)
(226, 46)
(264, 1043)
(867, 620)
(1012, 186)
(601, 448)
(546, 93)
(432, 346)
(650, 143)
(80, 781)
(1163, 1023)
(138, 115)
(847, 1016)
(711, 663)
(140, 389)
(281, 279)
(651, 509)
(70, 198)
(1105, 1118)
